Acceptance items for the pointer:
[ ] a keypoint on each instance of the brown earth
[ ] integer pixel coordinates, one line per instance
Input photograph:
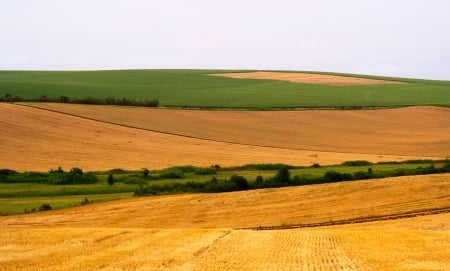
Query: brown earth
(413, 131)
(35, 139)
(307, 78)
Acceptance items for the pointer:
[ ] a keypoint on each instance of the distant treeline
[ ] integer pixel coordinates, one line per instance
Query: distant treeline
(57, 177)
(9, 98)
(281, 179)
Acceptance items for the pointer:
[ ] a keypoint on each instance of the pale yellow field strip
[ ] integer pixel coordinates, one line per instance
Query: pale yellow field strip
(265, 207)
(413, 131)
(307, 78)
(373, 246)
(35, 139)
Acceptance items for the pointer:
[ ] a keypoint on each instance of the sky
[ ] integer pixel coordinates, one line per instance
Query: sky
(405, 38)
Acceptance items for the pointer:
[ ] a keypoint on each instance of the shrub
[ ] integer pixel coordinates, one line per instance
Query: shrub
(84, 202)
(172, 174)
(7, 172)
(259, 179)
(116, 171)
(283, 175)
(240, 182)
(361, 175)
(205, 171)
(110, 179)
(45, 207)
(59, 170)
(357, 163)
(315, 165)
(332, 176)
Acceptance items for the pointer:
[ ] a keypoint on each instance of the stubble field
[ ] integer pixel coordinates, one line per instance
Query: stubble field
(36, 139)
(144, 234)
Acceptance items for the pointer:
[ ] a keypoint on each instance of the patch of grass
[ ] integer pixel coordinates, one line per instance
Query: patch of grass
(194, 88)
(19, 205)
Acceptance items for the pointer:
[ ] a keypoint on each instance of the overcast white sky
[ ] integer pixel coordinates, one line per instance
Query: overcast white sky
(409, 38)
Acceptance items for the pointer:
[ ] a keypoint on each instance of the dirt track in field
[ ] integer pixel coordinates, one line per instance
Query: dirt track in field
(307, 78)
(266, 207)
(35, 139)
(413, 131)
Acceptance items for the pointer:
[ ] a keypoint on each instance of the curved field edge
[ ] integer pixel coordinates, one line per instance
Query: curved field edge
(196, 88)
(314, 205)
(37, 140)
(420, 131)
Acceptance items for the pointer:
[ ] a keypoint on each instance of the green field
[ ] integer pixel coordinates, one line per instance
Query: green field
(193, 88)
(27, 195)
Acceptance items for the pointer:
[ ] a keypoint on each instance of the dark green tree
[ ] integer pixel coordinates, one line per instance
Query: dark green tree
(145, 172)
(283, 175)
(240, 182)
(110, 179)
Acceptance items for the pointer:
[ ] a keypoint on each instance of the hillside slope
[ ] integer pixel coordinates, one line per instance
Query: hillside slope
(419, 131)
(197, 88)
(34, 139)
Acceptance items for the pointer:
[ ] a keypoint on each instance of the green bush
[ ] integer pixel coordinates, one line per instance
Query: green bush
(171, 174)
(45, 207)
(283, 175)
(205, 171)
(357, 163)
(240, 182)
(333, 176)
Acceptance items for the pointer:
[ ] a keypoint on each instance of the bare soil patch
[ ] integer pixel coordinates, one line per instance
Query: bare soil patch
(35, 139)
(307, 78)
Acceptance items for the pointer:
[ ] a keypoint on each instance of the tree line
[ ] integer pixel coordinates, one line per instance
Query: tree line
(9, 98)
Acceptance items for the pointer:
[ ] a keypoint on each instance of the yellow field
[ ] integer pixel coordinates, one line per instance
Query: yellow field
(199, 232)
(36, 139)
(308, 78)
(301, 205)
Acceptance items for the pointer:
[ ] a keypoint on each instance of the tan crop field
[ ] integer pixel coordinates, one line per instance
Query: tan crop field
(307, 78)
(36, 139)
(413, 131)
(200, 232)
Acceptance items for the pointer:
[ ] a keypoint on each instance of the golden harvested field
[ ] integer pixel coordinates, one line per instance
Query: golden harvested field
(149, 234)
(301, 205)
(36, 139)
(307, 78)
(413, 131)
